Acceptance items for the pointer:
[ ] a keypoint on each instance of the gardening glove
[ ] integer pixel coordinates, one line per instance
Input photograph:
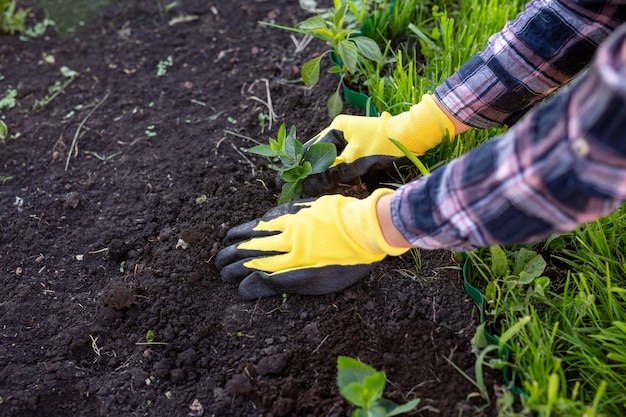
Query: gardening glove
(311, 247)
(363, 142)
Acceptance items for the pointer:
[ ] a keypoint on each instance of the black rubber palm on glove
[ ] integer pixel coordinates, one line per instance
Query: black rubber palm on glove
(308, 247)
(363, 143)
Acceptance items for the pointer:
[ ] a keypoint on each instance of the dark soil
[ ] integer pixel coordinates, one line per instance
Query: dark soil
(119, 243)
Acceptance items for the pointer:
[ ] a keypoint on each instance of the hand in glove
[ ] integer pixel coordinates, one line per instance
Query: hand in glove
(310, 247)
(363, 142)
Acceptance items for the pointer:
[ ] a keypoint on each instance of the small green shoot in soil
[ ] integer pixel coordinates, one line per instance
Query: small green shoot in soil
(57, 88)
(150, 340)
(163, 65)
(149, 132)
(362, 386)
(164, 10)
(8, 101)
(4, 131)
(292, 161)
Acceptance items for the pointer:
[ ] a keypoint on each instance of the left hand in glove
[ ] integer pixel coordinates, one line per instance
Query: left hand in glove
(306, 247)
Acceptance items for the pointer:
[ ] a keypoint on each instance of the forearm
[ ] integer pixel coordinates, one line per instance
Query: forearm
(564, 165)
(543, 48)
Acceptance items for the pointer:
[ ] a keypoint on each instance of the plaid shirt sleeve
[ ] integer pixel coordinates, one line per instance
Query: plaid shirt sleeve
(563, 165)
(543, 48)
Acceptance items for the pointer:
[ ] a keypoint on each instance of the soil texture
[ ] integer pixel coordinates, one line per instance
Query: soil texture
(116, 194)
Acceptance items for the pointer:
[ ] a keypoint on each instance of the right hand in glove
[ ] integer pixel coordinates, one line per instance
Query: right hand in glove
(363, 143)
(309, 247)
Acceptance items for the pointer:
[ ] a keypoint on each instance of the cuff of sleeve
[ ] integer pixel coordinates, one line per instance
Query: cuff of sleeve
(361, 223)
(421, 128)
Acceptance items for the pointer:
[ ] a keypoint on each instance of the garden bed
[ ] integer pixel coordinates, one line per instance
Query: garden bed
(117, 195)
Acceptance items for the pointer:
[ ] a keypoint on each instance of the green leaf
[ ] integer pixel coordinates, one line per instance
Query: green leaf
(411, 156)
(335, 105)
(352, 370)
(263, 150)
(311, 71)
(522, 257)
(480, 339)
(339, 16)
(290, 191)
(315, 22)
(355, 394)
(4, 131)
(404, 408)
(280, 137)
(374, 386)
(291, 148)
(533, 269)
(296, 173)
(368, 48)
(499, 261)
(321, 156)
(348, 53)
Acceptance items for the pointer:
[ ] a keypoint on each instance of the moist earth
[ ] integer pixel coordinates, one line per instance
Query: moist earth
(117, 193)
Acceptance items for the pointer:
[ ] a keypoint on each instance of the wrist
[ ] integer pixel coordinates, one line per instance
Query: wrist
(422, 127)
(459, 127)
(362, 224)
(390, 233)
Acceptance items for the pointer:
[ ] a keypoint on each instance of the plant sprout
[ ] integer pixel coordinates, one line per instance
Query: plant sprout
(293, 163)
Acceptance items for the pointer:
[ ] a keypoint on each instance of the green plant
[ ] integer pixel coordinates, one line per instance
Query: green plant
(4, 131)
(163, 65)
(57, 88)
(346, 42)
(12, 20)
(292, 162)
(8, 101)
(363, 386)
(164, 10)
(150, 340)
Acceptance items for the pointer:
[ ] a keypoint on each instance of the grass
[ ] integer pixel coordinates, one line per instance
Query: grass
(569, 356)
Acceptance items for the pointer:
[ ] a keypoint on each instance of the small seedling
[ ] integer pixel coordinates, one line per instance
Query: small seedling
(150, 340)
(150, 131)
(362, 386)
(8, 101)
(4, 131)
(163, 65)
(292, 162)
(57, 88)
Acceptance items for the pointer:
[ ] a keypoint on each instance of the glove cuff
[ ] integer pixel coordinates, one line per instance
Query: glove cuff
(360, 222)
(422, 127)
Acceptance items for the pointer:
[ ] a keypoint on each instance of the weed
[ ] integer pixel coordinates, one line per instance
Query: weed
(363, 386)
(163, 65)
(150, 340)
(8, 101)
(150, 132)
(292, 162)
(57, 88)
(165, 10)
(4, 131)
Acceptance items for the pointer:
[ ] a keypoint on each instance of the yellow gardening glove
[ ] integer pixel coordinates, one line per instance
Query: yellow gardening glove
(310, 247)
(363, 143)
